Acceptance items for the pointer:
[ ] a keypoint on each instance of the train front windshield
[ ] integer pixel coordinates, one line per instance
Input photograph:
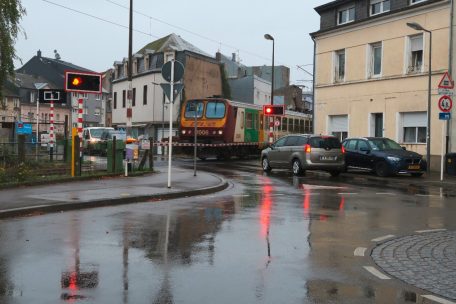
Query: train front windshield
(215, 109)
(193, 108)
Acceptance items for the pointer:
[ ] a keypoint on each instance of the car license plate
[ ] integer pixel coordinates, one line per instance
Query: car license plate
(414, 167)
(327, 157)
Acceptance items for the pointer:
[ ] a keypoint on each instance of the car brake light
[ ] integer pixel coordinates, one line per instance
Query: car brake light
(307, 148)
(343, 149)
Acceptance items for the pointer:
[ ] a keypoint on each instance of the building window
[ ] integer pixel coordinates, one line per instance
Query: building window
(145, 95)
(339, 64)
(379, 6)
(415, 61)
(115, 100)
(124, 99)
(414, 127)
(375, 59)
(416, 1)
(97, 112)
(134, 97)
(338, 126)
(346, 15)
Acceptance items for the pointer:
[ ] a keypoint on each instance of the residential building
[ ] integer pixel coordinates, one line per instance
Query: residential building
(281, 74)
(9, 111)
(150, 107)
(371, 73)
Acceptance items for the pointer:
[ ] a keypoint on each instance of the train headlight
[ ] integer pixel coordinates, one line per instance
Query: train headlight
(220, 132)
(184, 132)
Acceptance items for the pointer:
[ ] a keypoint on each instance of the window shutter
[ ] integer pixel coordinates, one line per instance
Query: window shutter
(338, 123)
(414, 119)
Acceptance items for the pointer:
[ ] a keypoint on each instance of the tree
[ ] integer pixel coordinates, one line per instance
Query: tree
(11, 12)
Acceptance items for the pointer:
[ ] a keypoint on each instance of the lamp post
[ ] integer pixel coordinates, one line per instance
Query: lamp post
(418, 27)
(269, 37)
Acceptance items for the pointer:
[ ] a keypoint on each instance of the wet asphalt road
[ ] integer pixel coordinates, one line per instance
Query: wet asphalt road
(267, 239)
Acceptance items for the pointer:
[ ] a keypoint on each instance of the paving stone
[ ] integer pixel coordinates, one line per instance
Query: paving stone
(426, 260)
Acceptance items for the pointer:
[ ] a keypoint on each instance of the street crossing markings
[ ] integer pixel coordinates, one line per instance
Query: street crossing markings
(430, 230)
(382, 238)
(360, 251)
(376, 273)
(437, 299)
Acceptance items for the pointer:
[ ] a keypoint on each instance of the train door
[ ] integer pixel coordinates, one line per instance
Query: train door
(261, 127)
(251, 126)
(240, 125)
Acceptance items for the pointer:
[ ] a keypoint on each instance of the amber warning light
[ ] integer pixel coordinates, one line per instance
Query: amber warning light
(83, 82)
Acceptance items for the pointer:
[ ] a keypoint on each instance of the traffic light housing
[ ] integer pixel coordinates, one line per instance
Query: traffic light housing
(276, 110)
(83, 82)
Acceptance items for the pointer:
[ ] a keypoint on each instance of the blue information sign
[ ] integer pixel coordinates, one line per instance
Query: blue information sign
(444, 115)
(23, 128)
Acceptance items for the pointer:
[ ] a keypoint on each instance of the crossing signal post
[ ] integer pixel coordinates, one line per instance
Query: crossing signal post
(271, 111)
(81, 82)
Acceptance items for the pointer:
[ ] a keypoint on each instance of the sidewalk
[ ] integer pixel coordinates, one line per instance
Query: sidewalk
(107, 191)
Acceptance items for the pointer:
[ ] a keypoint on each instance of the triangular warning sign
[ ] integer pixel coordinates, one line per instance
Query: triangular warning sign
(446, 82)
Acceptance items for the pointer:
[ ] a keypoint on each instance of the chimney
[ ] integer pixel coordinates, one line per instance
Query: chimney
(38, 54)
(218, 56)
(233, 57)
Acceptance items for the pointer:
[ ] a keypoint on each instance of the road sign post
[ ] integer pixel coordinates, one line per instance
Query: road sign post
(172, 71)
(445, 105)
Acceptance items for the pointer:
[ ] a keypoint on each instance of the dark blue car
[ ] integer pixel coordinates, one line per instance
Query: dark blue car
(382, 156)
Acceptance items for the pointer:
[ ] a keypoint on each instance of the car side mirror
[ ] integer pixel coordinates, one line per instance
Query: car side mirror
(271, 146)
(404, 148)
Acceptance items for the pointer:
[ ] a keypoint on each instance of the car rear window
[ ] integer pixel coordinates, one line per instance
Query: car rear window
(325, 142)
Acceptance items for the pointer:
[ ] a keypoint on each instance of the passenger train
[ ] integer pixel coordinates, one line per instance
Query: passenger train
(227, 128)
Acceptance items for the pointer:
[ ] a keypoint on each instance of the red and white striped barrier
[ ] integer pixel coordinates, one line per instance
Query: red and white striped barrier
(51, 127)
(80, 111)
(177, 144)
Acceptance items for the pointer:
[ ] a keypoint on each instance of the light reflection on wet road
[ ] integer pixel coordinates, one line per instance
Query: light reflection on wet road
(267, 239)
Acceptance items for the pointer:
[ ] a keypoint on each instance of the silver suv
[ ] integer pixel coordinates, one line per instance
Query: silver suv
(302, 152)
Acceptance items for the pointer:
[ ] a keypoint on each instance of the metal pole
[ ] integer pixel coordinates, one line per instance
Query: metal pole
(171, 99)
(37, 123)
(428, 135)
(272, 74)
(195, 139)
(442, 150)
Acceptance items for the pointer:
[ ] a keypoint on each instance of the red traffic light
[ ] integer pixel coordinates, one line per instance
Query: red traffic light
(83, 82)
(273, 110)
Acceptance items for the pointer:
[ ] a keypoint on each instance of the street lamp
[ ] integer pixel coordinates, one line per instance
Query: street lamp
(269, 37)
(418, 27)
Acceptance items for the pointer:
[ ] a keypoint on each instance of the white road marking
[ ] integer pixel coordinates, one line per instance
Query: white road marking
(376, 273)
(347, 193)
(437, 299)
(360, 251)
(311, 187)
(382, 238)
(430, 230)
(385, 193)
(425, 195)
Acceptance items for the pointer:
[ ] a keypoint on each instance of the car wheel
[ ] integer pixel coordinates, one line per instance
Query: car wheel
(265, 164)
(296, 167)
(417, 174)
(382, 169)
(334, 173)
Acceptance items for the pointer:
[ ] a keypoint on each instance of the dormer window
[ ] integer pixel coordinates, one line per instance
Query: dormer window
(379, 6)
(346, 15)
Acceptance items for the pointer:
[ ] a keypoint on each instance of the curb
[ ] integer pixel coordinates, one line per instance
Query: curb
(69, 206)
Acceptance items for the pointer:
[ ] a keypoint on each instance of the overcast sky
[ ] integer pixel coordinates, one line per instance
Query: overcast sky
(93, 33)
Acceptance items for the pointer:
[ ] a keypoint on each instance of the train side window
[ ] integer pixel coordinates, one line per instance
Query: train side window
(290, 124)
(249, 120)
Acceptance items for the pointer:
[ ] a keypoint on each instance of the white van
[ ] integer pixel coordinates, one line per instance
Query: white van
(91, 139)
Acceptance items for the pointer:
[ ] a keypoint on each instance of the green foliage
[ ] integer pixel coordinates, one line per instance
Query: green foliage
(11, 12)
